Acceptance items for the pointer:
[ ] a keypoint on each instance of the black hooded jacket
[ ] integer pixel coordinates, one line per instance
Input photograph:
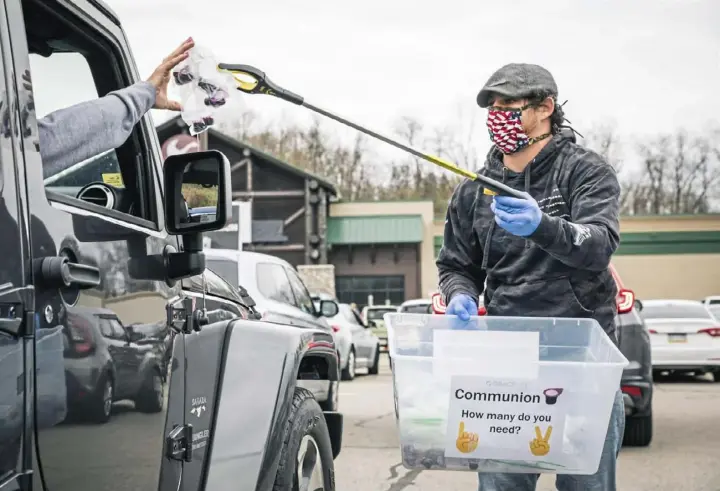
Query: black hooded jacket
(562, 269)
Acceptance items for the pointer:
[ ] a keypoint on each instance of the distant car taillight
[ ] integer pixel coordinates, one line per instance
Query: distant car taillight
(625, 301)
(80, 334)
(632, 390)
(652, 331)
(335, 328)
(712, 331)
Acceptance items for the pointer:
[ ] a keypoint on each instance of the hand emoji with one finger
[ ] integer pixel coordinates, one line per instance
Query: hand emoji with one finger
(540, 445)
(466, 441)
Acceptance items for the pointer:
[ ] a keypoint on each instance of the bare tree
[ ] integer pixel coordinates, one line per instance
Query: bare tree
(681, 173)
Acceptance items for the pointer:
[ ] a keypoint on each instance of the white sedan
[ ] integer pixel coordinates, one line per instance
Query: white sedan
(685, 336)
(357, 345)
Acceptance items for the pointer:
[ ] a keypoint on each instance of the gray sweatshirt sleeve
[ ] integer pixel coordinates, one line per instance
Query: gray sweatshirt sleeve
(70, 135)
(592, 235)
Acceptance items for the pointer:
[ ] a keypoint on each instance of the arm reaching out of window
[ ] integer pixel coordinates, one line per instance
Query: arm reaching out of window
(78, 132)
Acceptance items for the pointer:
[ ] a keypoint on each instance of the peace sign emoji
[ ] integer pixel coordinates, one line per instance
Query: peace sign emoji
(540, 445)
(466, 441)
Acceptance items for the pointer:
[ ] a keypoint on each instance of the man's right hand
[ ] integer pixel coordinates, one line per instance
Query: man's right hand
(463, 306)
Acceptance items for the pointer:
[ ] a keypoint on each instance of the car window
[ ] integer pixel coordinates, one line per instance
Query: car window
(111, 328)
(350, 315)
(82, 70)
(418, 309)
(375, 314)
(302, 296)
(226, 269)
(274, 283)
(106, 328)
(674, 311)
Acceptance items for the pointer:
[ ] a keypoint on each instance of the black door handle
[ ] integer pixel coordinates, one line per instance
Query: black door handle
(59, 272)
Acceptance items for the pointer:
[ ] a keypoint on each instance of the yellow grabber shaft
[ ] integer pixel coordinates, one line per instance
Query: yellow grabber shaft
(254, 81)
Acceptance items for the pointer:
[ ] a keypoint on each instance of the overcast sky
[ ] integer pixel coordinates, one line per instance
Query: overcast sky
(644, 66)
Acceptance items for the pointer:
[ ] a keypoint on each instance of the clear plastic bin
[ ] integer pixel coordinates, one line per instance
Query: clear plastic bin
(502, 394)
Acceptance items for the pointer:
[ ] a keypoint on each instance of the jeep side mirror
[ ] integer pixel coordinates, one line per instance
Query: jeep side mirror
(197, 192)
(197, 199)
(328, 308)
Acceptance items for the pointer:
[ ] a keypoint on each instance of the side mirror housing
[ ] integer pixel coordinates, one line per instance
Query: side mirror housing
(197, 192)
(197, 199)
(329, 308)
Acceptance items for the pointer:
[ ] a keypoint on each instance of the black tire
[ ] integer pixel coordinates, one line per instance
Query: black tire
(305, 433)
(150, 398)
(100, 404)
(348, 373)
(716, 376)
(638, 431)
(375, 368)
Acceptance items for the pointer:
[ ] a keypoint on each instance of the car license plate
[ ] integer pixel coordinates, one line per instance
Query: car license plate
(677, 338)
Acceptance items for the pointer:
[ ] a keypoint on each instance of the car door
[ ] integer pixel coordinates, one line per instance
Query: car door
(279, 303)
(15, 296)
(303, 301)
(84, 56)
(363, 339)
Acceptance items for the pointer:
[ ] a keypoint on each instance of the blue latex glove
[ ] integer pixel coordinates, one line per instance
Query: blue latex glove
(463, 306)
(520, 217)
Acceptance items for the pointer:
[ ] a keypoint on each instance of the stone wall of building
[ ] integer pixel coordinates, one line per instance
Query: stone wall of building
(319, 278)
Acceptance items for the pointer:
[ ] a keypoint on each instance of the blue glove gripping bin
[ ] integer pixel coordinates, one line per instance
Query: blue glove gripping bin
(502, 394)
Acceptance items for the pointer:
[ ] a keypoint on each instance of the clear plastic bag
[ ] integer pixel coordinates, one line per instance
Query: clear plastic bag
(204, 91)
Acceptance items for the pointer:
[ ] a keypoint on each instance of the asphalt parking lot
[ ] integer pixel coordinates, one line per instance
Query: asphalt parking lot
(684, 454)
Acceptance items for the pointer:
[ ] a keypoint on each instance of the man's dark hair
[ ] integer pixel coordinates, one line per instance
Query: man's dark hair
(557, 118)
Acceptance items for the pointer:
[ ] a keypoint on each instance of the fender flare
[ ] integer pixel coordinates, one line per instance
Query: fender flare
(254, 381)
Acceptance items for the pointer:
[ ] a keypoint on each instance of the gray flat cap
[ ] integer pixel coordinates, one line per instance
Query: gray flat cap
(517, 81)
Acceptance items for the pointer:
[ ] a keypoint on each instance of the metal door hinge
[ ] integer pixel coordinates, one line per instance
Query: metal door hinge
(179, 443)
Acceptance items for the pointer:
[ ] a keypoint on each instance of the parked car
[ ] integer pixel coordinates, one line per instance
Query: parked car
(372, 315)
(363, 348)
(343, 337)
(711, 300)
(636, 382)
(685, 337)
(713, 305)
(417, 306)
(105, 363)
(280, 297)
(634, 342)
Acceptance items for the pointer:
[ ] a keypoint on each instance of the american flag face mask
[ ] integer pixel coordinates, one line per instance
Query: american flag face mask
(506, 129)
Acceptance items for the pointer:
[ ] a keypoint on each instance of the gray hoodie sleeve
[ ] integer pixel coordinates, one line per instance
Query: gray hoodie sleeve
(592, 235)
(460, 258)
(70, 135)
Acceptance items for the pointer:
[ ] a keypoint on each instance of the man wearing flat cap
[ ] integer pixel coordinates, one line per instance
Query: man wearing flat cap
(546, 255)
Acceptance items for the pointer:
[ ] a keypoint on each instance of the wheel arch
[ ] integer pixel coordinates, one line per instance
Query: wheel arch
(257, 371)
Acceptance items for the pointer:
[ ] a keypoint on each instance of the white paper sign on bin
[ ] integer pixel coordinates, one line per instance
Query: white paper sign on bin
(509, 354)
(504, 419)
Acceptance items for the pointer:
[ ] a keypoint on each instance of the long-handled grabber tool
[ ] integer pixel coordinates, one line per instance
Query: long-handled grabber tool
(253, 81)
